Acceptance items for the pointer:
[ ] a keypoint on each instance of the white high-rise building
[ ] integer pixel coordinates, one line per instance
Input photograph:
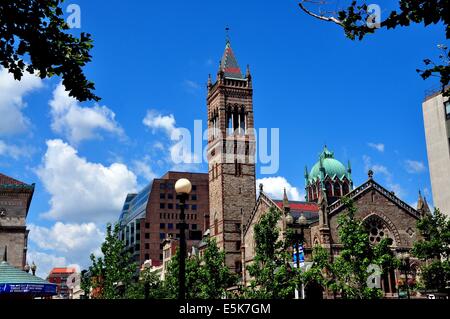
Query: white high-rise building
(436, 116)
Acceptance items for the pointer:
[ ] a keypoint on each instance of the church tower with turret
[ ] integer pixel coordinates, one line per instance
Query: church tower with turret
(231, 155)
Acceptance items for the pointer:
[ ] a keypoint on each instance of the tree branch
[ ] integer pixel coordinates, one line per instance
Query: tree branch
(320, 17)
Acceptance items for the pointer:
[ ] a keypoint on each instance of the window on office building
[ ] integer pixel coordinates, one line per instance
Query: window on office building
(147, 235)
(170, 226)
(162, 196)
(194, 207)
(147, 256)
(162, 205)
(162, 226)
(147, 246)
(170, 206)
(170, 196)
(147, 225)
(162, 236)
(194, 197)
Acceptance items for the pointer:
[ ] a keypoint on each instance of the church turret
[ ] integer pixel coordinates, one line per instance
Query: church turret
(330, 174)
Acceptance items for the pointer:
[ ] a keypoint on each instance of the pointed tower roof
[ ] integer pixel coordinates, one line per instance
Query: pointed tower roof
(420, 202)
(229, 64)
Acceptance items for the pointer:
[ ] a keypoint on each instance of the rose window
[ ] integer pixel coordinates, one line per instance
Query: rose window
(377, 231)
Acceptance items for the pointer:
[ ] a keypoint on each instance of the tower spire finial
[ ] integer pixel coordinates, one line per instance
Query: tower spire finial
(227, 34)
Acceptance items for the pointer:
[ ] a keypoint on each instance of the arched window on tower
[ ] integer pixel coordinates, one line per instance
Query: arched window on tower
(242, 121)
(345, 188)
(328, 189)
(337, 189)
(230, 121)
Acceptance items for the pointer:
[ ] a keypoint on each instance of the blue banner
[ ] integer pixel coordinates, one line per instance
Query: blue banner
(46, 289)
(301, 254)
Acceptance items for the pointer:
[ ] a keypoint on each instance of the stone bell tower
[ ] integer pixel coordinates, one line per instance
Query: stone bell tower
(231, 155)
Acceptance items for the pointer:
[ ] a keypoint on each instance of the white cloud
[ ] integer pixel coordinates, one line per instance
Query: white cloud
(179, 148)
(414, 167)
(14, 151)
(377, 146)
(80, 190)
(143, 168)
(12, 92)
(386, 173)
(156, 121)
(191, 86)
(46, 262)
(274, 186)
(75, 242)
(67, 238)
(78, 123)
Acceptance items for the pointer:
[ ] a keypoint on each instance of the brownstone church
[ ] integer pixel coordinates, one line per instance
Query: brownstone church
(235, 207)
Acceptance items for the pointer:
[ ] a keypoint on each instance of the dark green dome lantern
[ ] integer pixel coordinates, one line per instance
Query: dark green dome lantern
(330, 175)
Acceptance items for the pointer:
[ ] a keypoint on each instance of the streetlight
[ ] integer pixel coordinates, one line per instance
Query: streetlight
(299, 238)
(404, 258)
(183, 187)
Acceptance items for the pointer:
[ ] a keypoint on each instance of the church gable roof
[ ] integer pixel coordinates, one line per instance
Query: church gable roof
(369, 185)
(309, 209)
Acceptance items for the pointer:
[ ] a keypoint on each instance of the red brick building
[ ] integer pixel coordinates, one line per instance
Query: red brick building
(151, 216)
(59, 277)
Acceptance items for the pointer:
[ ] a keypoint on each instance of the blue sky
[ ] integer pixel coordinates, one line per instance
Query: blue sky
(363, 99)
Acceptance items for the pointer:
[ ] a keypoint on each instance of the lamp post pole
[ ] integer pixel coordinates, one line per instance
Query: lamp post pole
(183, 187)
(182, 273)
(405, 267)
(302, 221)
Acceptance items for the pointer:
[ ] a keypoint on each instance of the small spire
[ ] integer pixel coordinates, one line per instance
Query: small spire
(349, 167)
(261, 187)
(209, 80)
(426, 208)
(247, 73)
(370, 174)
(227, 34)
(5, 254)
(420, 203)
(285, 200)
(306, 172)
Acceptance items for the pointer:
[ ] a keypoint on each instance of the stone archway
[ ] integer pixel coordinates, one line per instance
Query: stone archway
(380, 226)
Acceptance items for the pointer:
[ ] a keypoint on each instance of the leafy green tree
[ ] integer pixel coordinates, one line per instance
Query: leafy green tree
(207, 277)
(193, 278)
(216, 276)
(348, 273)
(434, 250)
(112, 274)
(34, 37)
(272, 276)
(85, 283)
(354, 21)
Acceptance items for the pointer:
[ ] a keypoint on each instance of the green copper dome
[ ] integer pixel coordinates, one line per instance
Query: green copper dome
(328, 166)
